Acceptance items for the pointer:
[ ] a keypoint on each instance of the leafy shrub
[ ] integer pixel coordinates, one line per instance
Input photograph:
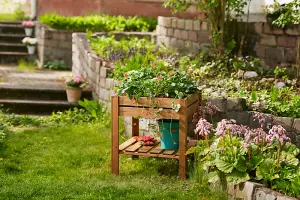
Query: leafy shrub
(99, 23)
(150, 82)
(56, 65)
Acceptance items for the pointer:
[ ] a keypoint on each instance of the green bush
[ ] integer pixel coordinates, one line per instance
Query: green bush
(56, 65)
(99, 23)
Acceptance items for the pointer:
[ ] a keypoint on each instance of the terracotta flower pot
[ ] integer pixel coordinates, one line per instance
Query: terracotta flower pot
(73, 94)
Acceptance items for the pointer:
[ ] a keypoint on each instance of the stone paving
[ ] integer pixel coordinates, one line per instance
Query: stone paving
(11, 75)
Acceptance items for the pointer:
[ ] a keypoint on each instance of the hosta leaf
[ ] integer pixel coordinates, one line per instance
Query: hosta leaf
(236, 177)
(291, 148)
(241, 164)
(267, 170)
(255, 161)
(191, 150)
(213, 177)
(225, 164)
(289, 159)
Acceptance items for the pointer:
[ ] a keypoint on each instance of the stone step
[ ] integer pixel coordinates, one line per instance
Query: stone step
(12, 44)
(14, 53)
(18, 35)
(35, 107)
(15, 48)
(37, 93)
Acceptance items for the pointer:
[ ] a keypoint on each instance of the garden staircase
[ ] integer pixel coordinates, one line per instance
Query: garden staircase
(36, 101)
(11, 47)
(38, 92)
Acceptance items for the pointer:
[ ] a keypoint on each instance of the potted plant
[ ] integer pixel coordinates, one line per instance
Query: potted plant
(159, 86)
(30, 43)
(28, 25)
(74, 86)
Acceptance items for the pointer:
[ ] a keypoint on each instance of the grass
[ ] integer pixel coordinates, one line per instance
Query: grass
(7, 17)
(27, 66)
(74, 163)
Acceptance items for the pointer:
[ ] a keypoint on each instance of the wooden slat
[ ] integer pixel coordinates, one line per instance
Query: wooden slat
(169, 152)
(156, 150)
(148, 113)
(192, 109)
(192, 99)
(160, 155)
(115, 136)
(148, 102)
(191, 143)
(145, 149)
(134, 147)
(127, 144)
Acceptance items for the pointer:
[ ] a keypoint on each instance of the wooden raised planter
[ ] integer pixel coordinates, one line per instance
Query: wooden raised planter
(147, 108)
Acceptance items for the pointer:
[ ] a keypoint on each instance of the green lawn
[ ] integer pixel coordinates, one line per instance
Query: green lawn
(74, 163)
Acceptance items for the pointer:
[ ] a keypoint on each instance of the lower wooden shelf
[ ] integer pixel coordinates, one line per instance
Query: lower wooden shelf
(133, 147)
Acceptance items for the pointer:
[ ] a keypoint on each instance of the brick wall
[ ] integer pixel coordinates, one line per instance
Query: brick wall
(54, 45)
(275, 46)
(113, 7)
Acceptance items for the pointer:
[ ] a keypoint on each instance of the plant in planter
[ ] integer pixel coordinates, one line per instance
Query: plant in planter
(28, 25)
(74, 86)
(30, 43)
(152, 83)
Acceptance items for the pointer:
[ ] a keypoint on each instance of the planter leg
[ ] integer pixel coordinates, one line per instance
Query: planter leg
(115, 136)
(135, 126)
(183, 128)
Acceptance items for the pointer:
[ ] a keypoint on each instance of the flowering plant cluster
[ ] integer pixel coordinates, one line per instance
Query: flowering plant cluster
(28, 23)
(247, 63)
(29, 41)
(233, 153)
(76, 81)
(150, 82)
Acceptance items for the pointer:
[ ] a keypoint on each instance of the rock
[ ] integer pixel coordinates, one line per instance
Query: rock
(240, 73)
(279, 85)
(250, 75)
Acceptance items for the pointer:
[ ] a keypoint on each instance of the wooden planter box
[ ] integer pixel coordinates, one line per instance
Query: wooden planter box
(147, 108)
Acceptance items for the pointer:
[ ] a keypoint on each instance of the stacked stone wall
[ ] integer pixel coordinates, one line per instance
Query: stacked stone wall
(54, 45)
(275, 46)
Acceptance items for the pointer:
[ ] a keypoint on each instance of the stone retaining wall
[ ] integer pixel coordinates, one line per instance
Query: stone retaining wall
(235, 108)
(255, 191)
(54, 45)
(276, 46)
(96, 71)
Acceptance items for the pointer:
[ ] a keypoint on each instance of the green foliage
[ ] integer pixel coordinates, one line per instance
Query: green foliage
(19, 13)
(26, 65)
(56, 65)
(284, 15)
(280, 72)
(97, 110)
(220, 14)
(99, 23)
(234, 158)
(149, 82)
(247, 63)
(73, 162)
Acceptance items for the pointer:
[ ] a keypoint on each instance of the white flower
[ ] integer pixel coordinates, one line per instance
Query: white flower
(29, 41)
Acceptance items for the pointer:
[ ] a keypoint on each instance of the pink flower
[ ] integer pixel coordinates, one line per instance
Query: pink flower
(153, 67)
(77, 79)
(190, 70)
(27, 23)
(203, 127)
(159, 78)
